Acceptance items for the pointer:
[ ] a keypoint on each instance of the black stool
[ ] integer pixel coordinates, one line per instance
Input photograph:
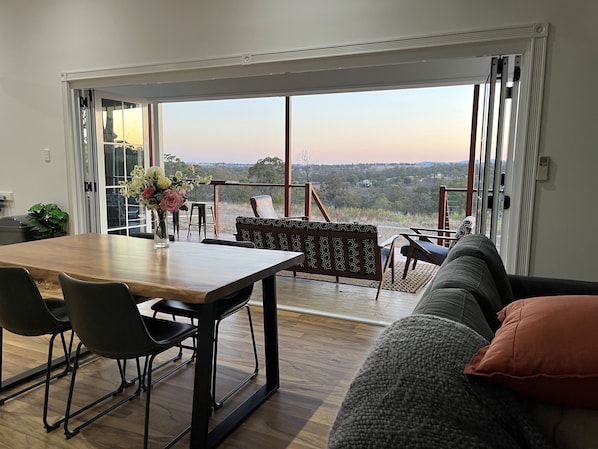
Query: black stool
(201, 216)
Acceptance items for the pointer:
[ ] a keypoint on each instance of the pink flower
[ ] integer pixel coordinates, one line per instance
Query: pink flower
(171, 201)
(147, 192)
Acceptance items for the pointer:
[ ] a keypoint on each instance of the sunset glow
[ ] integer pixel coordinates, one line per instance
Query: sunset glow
(407, 125)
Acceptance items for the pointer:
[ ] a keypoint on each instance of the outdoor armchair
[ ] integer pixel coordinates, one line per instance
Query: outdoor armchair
(425, 244)
(263, 208)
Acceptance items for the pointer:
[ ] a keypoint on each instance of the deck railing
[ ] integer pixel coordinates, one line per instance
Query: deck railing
(447, 203)
(309, 193)
(448, 200)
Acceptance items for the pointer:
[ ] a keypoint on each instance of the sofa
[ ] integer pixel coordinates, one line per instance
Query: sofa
(333, 249)
(412, 390)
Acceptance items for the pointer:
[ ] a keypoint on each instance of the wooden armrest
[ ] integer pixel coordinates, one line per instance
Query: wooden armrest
(452, 231)
(407, 235)
(389, 241)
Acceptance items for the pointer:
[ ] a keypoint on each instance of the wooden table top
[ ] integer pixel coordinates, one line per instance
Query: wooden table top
(190, 272)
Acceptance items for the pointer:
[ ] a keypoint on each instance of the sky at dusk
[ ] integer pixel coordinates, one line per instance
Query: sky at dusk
(406, 125)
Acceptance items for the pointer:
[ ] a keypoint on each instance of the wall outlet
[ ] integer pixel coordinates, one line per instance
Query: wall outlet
(6, 196)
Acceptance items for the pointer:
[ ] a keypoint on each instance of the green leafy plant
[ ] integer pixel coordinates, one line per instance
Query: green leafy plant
(47, 220)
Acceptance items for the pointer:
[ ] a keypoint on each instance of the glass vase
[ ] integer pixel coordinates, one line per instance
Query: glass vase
(161, 231)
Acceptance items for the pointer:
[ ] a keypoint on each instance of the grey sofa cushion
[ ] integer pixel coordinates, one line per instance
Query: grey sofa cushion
(471, 273)
(411, 393)
(478, 245)
(458, 305)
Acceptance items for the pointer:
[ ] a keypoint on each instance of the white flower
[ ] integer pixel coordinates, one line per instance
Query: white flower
(154, 172)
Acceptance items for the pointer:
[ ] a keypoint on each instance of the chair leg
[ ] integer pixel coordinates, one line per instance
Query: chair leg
(148, 402)
(69, 433)
(63, 373)
(217, 404)
(68, 367)
(406, 269)
(379, 288)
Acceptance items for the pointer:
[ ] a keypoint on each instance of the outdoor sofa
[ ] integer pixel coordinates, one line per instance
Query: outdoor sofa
(334, 249)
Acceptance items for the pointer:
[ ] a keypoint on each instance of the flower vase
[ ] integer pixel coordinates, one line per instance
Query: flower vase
(161, 231)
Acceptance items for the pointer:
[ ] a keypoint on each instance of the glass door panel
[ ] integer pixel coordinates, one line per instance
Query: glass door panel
(496, 147)
(123, 139)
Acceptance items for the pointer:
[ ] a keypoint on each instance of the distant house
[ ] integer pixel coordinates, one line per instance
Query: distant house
(366, 183)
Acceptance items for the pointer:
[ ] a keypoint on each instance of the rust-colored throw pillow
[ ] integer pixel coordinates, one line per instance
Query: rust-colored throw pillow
(546, 348)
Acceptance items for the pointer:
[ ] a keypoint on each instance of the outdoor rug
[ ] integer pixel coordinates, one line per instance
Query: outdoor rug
(415, 281)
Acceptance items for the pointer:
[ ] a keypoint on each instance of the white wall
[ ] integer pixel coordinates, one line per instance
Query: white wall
(40, 39)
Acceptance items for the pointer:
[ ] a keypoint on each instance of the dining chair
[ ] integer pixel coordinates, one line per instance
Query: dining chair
(225, 307)
(23, 311)
(142, 299)
(105, 317)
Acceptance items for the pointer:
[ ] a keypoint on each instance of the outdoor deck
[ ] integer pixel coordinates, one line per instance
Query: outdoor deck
(327, 298)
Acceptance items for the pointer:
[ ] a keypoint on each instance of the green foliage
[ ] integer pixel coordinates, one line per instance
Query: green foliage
(269, 170)
(172, 164)
(47, 220)
(399, 188)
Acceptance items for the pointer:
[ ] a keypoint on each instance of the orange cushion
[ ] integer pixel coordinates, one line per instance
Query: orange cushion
(546, 348)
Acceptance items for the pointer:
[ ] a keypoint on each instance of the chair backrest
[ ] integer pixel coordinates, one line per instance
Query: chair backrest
(229, 243)
(22, 308)
(148, 235)
(336, 249)
(262, 206)
(106, 319)
(237, 300)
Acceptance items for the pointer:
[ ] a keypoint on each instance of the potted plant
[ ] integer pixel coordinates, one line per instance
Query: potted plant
(47, 220)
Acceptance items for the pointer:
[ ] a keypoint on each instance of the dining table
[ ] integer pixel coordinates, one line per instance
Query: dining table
(186, 271)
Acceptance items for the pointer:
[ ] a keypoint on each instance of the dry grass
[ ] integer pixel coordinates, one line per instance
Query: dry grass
(229, 211)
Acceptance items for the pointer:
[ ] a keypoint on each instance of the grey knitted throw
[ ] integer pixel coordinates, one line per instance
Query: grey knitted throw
(411, 393)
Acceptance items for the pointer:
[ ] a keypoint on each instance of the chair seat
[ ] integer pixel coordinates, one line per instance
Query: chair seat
(438, 251)
(224, 307)
(57, 307)
(165, 331)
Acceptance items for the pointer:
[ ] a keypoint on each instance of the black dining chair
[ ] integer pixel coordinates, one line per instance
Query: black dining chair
(23, 311)
(105, 317)
(225, 307)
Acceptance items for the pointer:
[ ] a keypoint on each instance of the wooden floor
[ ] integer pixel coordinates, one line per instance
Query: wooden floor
(319, 355)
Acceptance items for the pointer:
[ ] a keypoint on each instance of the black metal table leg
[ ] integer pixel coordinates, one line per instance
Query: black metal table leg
(200, 438)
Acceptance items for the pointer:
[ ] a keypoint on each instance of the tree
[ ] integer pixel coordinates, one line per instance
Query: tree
(172, 164)
(269, 170)
(305, 161)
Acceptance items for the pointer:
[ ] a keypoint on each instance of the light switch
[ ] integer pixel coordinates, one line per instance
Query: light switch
(543, 166)
(47, 156)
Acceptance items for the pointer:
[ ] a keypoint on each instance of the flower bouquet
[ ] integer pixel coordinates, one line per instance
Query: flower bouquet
(159, 193)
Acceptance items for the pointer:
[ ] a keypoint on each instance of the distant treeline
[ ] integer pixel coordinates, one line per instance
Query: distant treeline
(398, 188)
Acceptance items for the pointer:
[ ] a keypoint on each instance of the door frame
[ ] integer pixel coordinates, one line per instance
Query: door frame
(529, 40)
